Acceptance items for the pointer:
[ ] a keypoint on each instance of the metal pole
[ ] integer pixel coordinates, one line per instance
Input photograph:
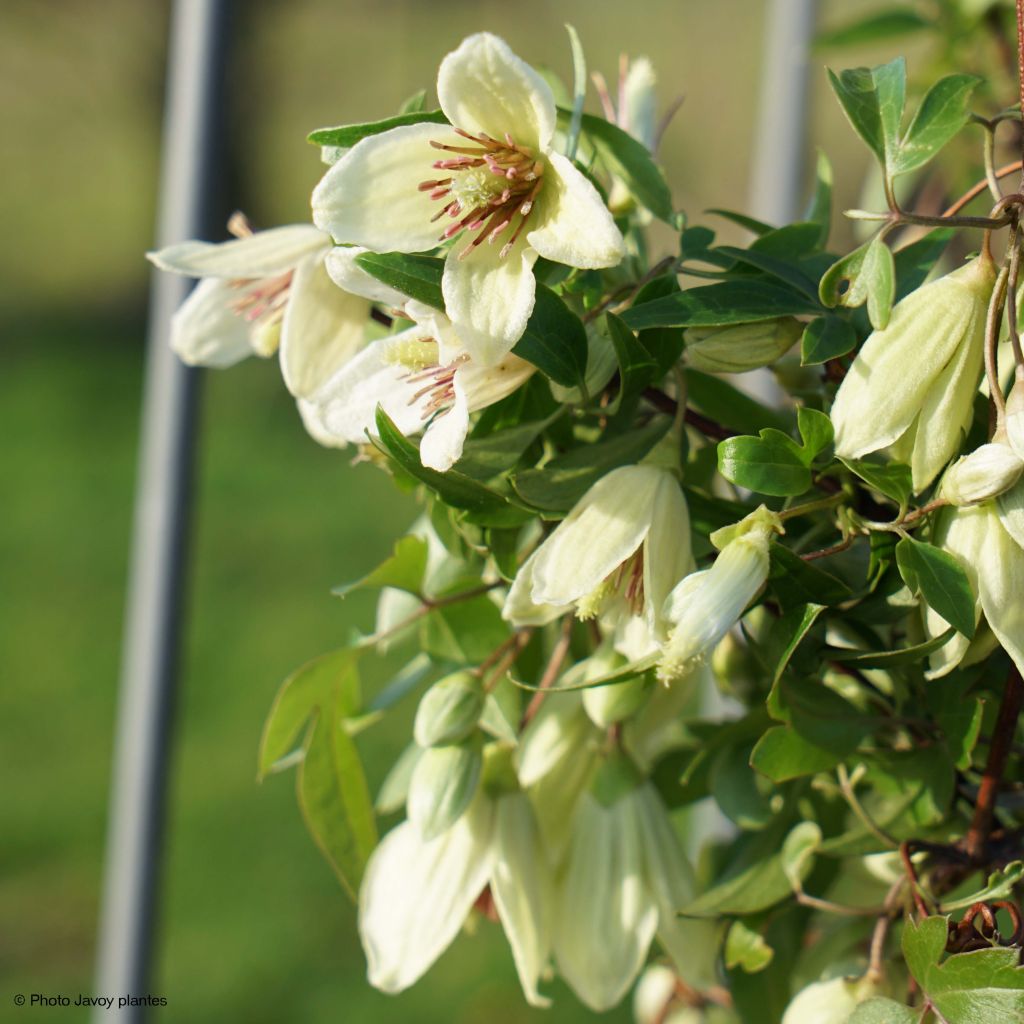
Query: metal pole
(198, 35)
(776, 181)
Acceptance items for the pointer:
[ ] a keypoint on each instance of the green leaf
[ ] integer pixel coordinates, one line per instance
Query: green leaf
(746, 949)
(982, 987)
(920, 780)
(628, 160)
(403, 570)
(889, 478)
(782, 754)
(757, 227)
(554, 340)
(883, 26)
(768, 464)
(940, 579)
(484, 458)
(464, 633)
(915, 261)
(815, 430)
(414, 104)
(300, 694)
(867, 274)
(742, 796)
(564, 480)
(348, 135)
(728, 405)
(788, 633)
(798, 852)
(637, 368)
(819, 210)
(959, 716)
(1000, 886)
(872, 99)
(796, 582)
(579, 91)
(884, 1011)
(825, 338)
(943, 112)
(783, 269)
(889, 659)
(452, 487)
(419, 277)
(729, 302)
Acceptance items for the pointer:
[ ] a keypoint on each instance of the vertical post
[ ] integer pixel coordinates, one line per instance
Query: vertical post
(776, 180)
(198, 35)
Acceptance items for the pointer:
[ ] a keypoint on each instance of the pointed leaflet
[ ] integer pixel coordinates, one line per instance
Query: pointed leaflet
(347, 135)
(403, 570)
(872, 99)
(940, 579)
(943, 112)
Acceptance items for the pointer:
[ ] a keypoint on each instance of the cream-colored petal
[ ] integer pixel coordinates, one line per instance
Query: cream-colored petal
(520, 608)
(601, 943)
(1010, 507)
(416, 895)
(605, 527)
(668, 555)
(1000, 572)
(573, 225)
(262, 254)
(446, 434)
(486, 385)
(206, 332)
(323, 328)
(311, 420)
(346, 273)
(348, 401)
(484, 87)
(489, 297)
(371, 197)
(522, 888)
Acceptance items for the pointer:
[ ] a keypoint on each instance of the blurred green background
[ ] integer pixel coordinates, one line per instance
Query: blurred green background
(254, 927)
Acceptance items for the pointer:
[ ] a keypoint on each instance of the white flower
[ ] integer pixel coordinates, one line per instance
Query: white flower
(417, 893)
(267, 289)
(707, 604)
(425, 380)
(624, 881)
(498, 181)
(912, 385)
(616, 555)
(994, 563)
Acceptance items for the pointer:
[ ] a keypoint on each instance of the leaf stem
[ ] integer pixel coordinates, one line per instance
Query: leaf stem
(992, 322)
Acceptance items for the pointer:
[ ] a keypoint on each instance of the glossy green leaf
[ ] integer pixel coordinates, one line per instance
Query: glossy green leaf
(942, 113)
(857, 659)
(784, 270)
(881, 26)
(827, 337)
(768, 464)
(940, 579)
(464, 633)
(746, 949)
(554, 340)
(788, 632)
(866, 275)
(816, 432)
(403, 570)
(419, 277)
(348, 135)
(982, 987)
(872, 99)
(727, 405)
(637, 368)
(742, 796)
(796, 582)
(751, 224)
(782, 754)
(484, 458)
(889, 478)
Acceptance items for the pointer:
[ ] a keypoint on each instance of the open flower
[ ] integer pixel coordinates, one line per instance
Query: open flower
(912, 385)
(707, 604)
(425, 380)
(491, 177)
(266, 290)
(616, 555)
(417, 893)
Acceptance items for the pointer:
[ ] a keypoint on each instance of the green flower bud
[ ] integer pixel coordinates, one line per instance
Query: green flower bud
(443, 783)
(830, 1002)
(449, 710)
(616, 702)
(986, 473)
(741, 347)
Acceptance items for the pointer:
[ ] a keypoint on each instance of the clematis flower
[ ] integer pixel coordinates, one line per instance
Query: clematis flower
(624, 848)
(417, 893)
(270, 290)
(707, 604)
(616, 555)
(490, 181)
(912, 385)
(424, 378)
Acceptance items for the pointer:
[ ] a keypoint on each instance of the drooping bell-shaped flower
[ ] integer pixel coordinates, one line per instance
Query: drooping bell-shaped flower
(616, 556)
(624, 881)
(911, 387)
(423, 378)
(417, 893)
(266, 291)
(490, 181)
(705, 605)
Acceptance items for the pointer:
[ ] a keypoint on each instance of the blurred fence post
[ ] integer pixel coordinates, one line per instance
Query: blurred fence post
(777, 178)
(189, 169)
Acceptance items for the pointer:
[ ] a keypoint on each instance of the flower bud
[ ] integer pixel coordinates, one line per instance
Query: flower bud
(912, 385)
(616, 702)
(443, 783)
(449, 710)
(986, 473)
(741, 347)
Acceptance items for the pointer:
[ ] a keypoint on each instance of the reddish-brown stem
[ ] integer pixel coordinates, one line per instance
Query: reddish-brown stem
(551, 670)
(667, 404)
(977, 189)
(1002, 739)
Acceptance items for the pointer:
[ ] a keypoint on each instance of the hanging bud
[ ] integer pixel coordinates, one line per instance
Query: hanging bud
(741, 347)
(912, 385)
(442, 786)
(616, 702)
(449, 710)
(986, 473)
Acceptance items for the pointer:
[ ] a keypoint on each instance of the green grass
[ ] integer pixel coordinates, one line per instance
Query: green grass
(254, 925)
